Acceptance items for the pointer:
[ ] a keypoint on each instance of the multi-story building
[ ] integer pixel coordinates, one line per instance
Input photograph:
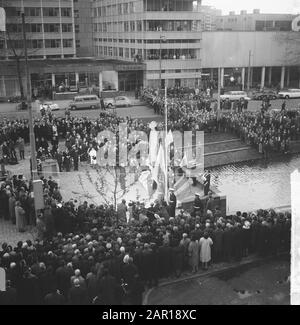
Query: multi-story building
(83, 28)
(49, 28)
(50, 32)
(254, 21)
(210, 15)
(164, 34)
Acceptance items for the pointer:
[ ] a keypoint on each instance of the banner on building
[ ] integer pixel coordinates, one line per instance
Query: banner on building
(2, 20)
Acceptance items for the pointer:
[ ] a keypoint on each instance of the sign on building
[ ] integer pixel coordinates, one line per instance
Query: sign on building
(2, 20)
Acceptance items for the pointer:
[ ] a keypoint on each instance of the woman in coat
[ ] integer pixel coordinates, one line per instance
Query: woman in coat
(193, 250)
(205, 250)
(20, 217)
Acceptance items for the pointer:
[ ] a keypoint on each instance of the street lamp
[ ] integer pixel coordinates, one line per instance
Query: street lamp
(29, 106)
(161, 37)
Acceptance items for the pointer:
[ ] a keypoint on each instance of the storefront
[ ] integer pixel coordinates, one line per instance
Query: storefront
(71, 75)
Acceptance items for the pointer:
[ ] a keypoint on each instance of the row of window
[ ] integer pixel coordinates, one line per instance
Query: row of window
(37, 44)
(168, 54)
(38, 28)
(111, 10)
(171, 5)
(120, 26)
(38, 12)
(151, 41)
(149, 25)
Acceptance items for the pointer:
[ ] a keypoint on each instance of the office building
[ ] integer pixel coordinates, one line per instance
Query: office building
(147, 30)
(254, 21)
(49, 28)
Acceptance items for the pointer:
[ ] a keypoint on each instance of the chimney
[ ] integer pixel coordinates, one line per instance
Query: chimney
(243, 12)
(256, 11)
(231, 13)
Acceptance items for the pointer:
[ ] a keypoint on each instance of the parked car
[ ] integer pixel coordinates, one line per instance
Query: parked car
(109, 102)
(22, 106)
(119, 101)
(85, 102)
(265, 94)
(49, 106)
(289, 93)
(235, 95)
(122, 101)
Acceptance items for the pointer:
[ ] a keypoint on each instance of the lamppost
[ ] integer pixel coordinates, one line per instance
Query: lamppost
(249, 71)
(38, 204)
(28, 99)
(161, 37)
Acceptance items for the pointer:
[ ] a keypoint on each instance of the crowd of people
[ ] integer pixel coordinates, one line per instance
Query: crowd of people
(268, 131)
(87, 254)
(17, 203)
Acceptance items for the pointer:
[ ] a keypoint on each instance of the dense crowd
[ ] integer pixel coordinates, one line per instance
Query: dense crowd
(17, 203)
(87, 254)
(267, 130)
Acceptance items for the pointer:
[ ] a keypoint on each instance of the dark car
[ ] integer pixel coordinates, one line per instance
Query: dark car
(265, 94)
(22, 106)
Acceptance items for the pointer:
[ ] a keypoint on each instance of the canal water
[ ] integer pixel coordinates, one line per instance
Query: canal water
(256, 185)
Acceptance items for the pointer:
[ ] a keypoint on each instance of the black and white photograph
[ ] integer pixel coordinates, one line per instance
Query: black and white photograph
(150, 155)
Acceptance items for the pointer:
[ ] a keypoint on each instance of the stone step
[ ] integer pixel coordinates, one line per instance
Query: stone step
(179, 182)
(223, 146)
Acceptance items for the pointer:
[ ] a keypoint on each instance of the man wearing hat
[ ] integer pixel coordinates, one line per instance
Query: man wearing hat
(173, 203)
(198, 206)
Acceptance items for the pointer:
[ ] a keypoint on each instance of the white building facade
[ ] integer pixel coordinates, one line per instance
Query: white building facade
(147, 30)
(49, 28)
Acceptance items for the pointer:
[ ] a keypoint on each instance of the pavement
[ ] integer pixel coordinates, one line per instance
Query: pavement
(254, 280)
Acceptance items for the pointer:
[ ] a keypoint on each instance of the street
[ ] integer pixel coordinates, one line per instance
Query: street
(8, 110)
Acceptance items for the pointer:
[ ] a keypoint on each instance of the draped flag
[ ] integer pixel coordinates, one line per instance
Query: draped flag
(160, 166)
(144, 180)
(153, 143)
(169, 138)
(184, 162)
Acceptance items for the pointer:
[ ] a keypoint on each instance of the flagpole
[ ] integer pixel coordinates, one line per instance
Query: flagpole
(166, 145)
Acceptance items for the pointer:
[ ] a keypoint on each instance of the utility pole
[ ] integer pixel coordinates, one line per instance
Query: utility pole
(249, 71)
(160, 37)
(219, 91)
(166, 145)
(29, 104)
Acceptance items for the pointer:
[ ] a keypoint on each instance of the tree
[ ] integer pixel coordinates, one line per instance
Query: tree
(112, 183)
(14, 41)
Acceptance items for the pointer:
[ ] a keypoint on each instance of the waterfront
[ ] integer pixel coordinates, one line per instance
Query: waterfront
(254, 185)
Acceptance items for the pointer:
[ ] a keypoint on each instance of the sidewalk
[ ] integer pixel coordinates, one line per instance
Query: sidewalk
(214, 270)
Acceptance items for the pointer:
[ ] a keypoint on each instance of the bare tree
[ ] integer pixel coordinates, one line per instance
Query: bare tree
(111, 183)
(14, 41)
